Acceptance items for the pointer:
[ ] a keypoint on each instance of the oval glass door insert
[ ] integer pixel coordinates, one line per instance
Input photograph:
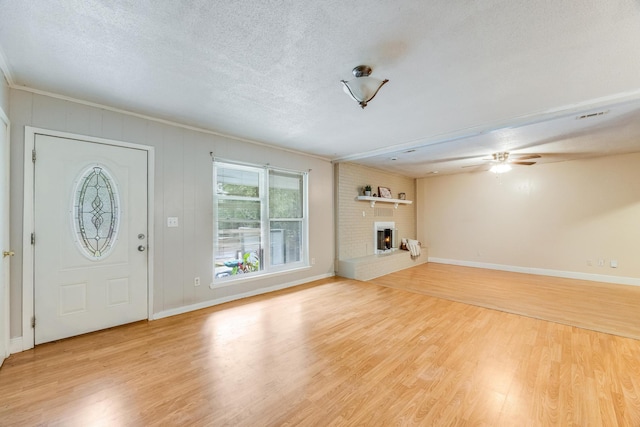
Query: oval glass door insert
(96, 214)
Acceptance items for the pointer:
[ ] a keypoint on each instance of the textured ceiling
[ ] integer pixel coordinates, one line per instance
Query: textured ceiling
(270, 71)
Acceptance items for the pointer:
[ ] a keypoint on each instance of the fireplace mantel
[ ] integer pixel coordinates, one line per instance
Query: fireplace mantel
(373, 201)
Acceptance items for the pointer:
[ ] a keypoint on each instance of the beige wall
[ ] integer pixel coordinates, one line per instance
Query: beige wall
(183, 188)
(354, 232)
(556, 216)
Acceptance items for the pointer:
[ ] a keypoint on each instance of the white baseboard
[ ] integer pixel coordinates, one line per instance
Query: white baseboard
(15, 345)
(631, 281)
(211, 303)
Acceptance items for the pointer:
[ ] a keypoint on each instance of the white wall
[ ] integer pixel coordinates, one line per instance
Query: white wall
(4, 94)
(555, 216)
(183, 188)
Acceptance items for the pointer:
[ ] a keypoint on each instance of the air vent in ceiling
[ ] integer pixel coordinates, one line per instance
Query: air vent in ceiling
(590, 115)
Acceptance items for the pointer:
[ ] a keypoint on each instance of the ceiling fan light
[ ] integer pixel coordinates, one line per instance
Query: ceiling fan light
(500, 168)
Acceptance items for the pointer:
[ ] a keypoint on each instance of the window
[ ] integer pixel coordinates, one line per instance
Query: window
(256, 209)
(96, 212)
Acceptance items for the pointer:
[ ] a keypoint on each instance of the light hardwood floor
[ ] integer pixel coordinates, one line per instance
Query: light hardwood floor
(333, 352)
(602, 307)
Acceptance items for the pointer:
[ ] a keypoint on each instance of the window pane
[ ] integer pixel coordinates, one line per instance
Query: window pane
(237, 182)
(285, 195)
(96, 212)
(239, 248)
(239, 210)
(286, 242)
(239, 245)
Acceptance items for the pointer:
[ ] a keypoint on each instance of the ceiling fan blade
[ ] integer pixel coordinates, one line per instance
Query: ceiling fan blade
(525, 156)
(523, 163)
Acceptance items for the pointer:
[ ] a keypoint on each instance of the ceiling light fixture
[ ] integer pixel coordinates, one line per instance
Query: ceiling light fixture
(363, 88)
(502, 165)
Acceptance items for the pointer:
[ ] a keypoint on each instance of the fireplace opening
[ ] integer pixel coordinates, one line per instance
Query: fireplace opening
(384, 239)
(384, 235)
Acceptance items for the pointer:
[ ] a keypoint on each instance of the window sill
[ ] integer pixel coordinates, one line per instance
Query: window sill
(244, 278)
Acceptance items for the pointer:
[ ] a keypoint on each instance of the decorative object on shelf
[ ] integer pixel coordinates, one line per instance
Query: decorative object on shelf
(402, 196)
(363, 88)
(367, 190)
(374, 195)
(385, 192)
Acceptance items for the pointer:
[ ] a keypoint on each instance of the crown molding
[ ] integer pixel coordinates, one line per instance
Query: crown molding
(163, 121)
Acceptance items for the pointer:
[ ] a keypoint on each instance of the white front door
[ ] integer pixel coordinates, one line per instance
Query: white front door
(90, 221)
(4, 238)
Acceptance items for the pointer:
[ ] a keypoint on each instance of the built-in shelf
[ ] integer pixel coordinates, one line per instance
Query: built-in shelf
(374, 200)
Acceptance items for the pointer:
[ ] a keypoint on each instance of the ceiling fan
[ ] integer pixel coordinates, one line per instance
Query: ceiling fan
(503, 160)
(514, 159)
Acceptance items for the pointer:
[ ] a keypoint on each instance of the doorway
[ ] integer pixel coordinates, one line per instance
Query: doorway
(90, 239)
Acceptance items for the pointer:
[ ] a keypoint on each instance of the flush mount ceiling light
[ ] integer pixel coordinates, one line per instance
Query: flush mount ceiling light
(363, 88)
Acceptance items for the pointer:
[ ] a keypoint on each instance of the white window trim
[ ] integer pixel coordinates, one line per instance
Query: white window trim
(265, 224)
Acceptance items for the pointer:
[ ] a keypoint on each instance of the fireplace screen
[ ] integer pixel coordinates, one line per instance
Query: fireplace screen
(385, 237)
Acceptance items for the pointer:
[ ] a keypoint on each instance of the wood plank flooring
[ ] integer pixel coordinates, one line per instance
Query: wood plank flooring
(602, 307)
(331, 353)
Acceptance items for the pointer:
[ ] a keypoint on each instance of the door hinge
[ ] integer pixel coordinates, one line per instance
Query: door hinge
(33, 155)
(33, 321)
(33, 238)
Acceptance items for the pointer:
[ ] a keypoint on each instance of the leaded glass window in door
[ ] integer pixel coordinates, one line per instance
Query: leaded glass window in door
(96, 215)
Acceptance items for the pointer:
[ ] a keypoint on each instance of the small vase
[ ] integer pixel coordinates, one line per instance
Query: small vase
(367, 193)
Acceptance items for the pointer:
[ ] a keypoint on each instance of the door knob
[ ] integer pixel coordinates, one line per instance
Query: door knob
(141, 248)
(7, 253)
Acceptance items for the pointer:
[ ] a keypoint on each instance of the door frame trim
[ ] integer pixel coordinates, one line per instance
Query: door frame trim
(5, 285)
(28, 250)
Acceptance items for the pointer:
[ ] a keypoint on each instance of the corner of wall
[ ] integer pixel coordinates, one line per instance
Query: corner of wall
(4, 93)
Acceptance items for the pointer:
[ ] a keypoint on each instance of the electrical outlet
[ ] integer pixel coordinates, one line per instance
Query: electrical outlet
(313, 261)
(600, 263)
(172, 221)
(196, 281)
(614, 263)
